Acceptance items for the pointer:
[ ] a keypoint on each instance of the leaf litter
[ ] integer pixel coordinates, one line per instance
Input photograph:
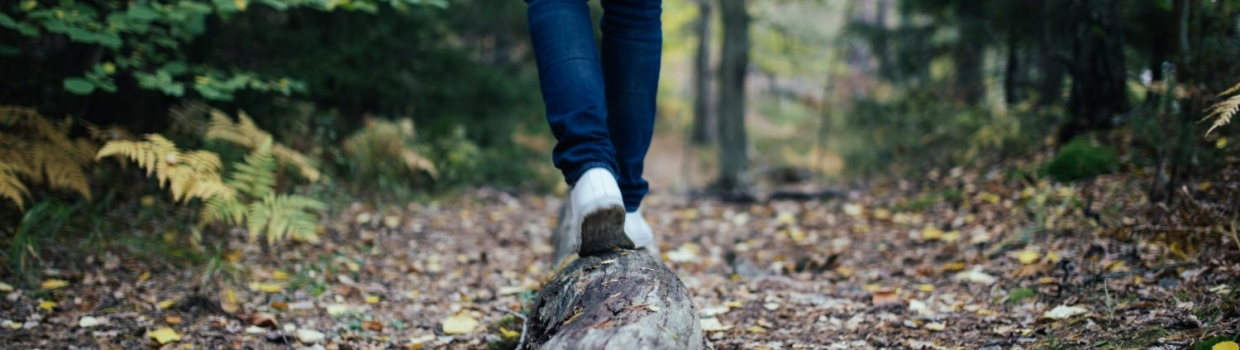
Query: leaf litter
(1005, 265)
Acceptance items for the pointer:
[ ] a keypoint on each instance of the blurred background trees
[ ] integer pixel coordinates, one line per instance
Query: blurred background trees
(754, 92)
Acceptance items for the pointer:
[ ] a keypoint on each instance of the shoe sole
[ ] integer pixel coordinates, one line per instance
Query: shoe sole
(603, 231)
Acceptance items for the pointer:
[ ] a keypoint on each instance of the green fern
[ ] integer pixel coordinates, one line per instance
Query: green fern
(247, 134)
(280, 216)
(256, 175)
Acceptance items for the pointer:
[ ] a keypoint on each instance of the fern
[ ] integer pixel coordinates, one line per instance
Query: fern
(247, 134)
(281, 216)
(188, 175)
(1223, 111)
(11, 187)
(40, 152)
(382, 144)
(256, 175)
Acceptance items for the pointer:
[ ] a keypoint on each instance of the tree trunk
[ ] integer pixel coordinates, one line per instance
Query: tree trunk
(732, 140)
(703, 126)
(1098, 92)
(1010, 77)
(968, 53)
(615, 300)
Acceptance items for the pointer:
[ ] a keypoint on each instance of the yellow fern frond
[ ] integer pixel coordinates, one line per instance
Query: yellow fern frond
(247, 134)
(40, 150)
(194, 174)
(225, 210)
(11, 187)
(1232, 90)
(1222, 112)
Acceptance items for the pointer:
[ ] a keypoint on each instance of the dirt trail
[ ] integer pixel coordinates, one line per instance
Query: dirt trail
(851, 273)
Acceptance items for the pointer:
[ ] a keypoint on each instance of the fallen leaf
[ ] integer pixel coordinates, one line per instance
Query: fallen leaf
(279, 275)
(976, 276)
(11, 325)
(279, 305)
(267, 287)
(510, 290)
(919, 307)
(884, 296)
(372, 299)
(507, 334)
(852, 210)
(926, 288)
(608, 261)
(263, 319)
(88, 321)
(172, 320)
(1227, 345)
(951, 236)
(47, 305)
(54, 284)
(5, 287)
(712, 324)
(936, 326)
(166, 304)
(1063, 311)
(931, 233)
(163, 335)
(459, 324)
(310, 336)
(1028, 256)
(372, 326)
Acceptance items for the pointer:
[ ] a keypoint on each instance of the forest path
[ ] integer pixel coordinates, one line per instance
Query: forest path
(871, 270)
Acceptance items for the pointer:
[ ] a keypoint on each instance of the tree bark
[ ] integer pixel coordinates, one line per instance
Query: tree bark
(615, 300)
(703, 122)
(1098, 92)
(733, 145)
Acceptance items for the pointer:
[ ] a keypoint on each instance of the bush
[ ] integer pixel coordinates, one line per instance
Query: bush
(1078, 160)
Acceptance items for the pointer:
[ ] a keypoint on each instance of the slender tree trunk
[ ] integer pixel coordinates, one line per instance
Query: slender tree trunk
(968, 53)
(703, 121)
(1051, 67)
(732, 140)
(1012, 71)
(1099, 92)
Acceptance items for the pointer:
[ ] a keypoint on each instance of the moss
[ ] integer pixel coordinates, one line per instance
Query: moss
(1078, 160)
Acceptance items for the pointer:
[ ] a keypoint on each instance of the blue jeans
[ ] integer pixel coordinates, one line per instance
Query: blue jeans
(600, 110)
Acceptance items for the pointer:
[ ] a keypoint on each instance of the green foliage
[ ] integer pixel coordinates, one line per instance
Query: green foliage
(147, 41)
(41, 222)
(1078, 160)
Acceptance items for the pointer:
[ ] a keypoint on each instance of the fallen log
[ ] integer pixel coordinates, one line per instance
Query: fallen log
(622, 299)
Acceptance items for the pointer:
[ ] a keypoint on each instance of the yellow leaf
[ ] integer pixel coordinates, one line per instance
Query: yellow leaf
(54, 284)
(931, 234)
(954, 267)
(844, 271)
(936, 326)
(1221, 144)
(882, 214)
(147, 200)
(1227, 345)
(1028, 256)
(279, 275)
(372, 299)
(507, 333)
(164, 335)
(144, 276)
(241, 4)
(926, 288)
(267, 287)
(5, 287)
(47, 305)
(1052, 257)
(459, 324)
(167, 304)
(951, 236)
(173, 320)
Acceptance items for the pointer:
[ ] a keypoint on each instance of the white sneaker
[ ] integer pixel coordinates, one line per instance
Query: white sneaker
(637, 229)
(598, 209)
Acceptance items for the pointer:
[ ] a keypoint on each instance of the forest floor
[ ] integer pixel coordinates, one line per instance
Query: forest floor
(970, 262)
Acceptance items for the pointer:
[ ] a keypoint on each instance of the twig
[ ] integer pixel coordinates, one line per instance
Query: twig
(525, 322)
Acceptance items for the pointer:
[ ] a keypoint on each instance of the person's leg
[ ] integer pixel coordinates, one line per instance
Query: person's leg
(571, 78)
(632, 48)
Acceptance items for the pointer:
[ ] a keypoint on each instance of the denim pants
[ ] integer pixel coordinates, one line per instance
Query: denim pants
(600, 107)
